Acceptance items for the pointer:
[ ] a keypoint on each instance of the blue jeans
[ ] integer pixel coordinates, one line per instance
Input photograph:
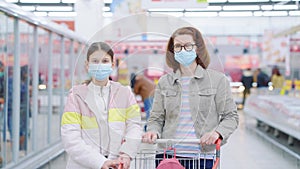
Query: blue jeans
(147, 107)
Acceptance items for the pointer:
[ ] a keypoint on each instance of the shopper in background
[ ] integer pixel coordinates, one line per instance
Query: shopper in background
(145, 88)
(262, 78)
(2, 84)
(247, 80)
(192, 101)
(277, 79)
(101, 123)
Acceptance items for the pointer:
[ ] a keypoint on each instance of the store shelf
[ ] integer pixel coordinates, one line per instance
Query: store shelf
(279, 112)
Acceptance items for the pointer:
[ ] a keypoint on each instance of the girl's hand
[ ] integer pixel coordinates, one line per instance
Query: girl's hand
(149, 137)
(124, 159)
(110, 164)
(209, 138)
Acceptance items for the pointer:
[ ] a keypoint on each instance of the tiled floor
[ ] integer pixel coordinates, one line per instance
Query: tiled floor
(245, 150)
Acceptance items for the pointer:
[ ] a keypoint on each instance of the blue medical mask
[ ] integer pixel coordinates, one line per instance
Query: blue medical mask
(100, 71)
(185, 58)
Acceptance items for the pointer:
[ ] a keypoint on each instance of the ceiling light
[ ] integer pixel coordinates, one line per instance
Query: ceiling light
(28, 8)
(208, 8)
(240, 8)
(54, 8)
(62, 14)
(285, 7)
(106, 9)
(235, 14)
(176, 14)
(266, 7)
(107, 1)
(40, 1)
(68, 1)
(107, 14)
(275, 13)
(200, 14)
(12, 1)
(294, 13)
(216, 1)
(40, 13)
(165, 9)
(248, 0)
(258, 13)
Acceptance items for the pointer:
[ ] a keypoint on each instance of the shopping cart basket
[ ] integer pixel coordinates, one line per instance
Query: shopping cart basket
(147, 159)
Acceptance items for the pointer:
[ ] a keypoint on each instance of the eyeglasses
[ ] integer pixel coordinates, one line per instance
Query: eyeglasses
(187, 47)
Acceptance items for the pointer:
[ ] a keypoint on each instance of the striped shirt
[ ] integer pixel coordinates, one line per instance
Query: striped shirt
(185, 128)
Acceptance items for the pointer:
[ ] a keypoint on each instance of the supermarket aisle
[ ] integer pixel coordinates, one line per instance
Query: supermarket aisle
(245, 150)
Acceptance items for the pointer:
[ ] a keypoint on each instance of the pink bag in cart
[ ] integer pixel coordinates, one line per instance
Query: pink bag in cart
(170, 163)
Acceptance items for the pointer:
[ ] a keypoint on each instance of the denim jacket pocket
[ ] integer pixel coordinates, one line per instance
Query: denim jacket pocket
(170, 99)
(206, 100)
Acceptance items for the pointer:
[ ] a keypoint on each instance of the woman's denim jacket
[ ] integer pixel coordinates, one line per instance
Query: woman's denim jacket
(211, 104)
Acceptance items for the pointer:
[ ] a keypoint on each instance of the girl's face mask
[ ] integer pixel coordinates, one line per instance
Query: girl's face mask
(100, 71)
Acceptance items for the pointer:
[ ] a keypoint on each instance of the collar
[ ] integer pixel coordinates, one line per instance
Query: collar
(199, 73)
(97, 89)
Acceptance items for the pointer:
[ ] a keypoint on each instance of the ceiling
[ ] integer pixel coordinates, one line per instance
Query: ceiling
(216, 8)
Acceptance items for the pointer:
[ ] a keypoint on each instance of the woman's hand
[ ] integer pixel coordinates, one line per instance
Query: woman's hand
(125, 160)
(149, 137)
(209, 138)
(110, 164)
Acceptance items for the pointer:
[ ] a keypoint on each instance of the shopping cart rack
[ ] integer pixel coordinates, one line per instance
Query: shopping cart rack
(147, 157)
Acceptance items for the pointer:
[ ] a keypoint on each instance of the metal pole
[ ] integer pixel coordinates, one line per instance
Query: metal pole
(72, 55)
(62, 76)
(16, 93)
(50, 86)
(35, 87)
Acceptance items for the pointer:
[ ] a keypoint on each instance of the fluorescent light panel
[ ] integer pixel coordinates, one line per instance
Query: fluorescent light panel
(40, 13)
(208, 8)
(107, 14)
(275, 13)
(54, 8)
(107, 1)
(165, 9)
(266, 7)
(176, 14)
(258, 13)
(241, 8)
(248, 0)
(69, 1)
(294, 13)
(40, 1)
(216, 1)
(62, 14)
(28, 8)
(200, 14)
(106, 9)
(235, 14)
(12, 1)
(285, 7)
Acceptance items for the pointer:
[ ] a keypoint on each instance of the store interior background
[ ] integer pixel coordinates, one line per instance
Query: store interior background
(239, 34)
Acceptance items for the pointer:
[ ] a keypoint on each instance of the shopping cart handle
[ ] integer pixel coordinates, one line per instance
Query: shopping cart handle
(172, 141)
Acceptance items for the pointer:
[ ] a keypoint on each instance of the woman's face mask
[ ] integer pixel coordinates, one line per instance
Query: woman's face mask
(185, 58)
(100, 71)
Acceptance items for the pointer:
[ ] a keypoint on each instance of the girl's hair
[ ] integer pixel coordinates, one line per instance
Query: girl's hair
(202, 59)
(96, 46)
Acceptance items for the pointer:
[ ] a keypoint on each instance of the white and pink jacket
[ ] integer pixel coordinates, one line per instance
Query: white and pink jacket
(84, 135)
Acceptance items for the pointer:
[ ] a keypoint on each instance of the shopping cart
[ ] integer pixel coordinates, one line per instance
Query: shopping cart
(147, 159)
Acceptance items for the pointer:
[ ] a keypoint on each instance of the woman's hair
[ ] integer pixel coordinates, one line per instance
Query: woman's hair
(202, 58)
(96, 46)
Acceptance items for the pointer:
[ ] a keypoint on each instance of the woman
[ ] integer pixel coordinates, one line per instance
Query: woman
(193, 101)
(101, 122)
